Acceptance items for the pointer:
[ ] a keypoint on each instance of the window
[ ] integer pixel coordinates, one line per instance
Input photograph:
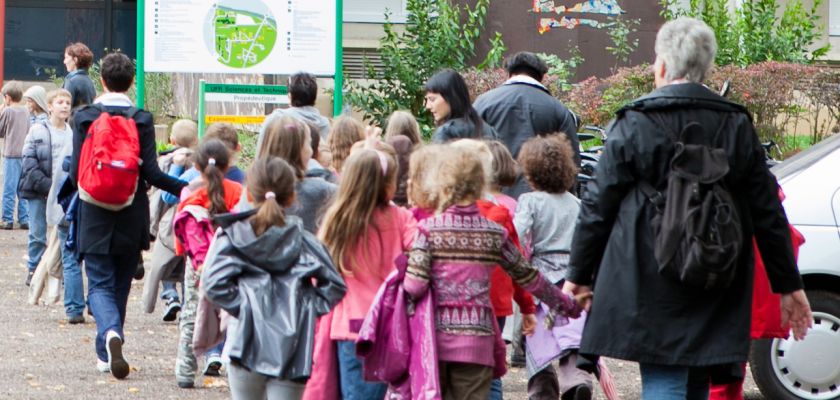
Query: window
(374, 10)
(834, 18)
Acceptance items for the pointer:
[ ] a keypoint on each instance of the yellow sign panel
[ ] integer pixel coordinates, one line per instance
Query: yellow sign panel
(235, 119)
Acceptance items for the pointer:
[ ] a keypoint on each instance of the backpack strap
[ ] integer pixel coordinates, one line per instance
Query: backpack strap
(655, 196)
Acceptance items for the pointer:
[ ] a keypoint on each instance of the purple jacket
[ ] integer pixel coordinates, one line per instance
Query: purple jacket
(397, 341)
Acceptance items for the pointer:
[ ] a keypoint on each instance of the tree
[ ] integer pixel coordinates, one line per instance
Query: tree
(437, 35)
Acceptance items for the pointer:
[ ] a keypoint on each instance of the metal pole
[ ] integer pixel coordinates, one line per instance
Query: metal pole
(201, 111)
(140, 81)
(338, 92)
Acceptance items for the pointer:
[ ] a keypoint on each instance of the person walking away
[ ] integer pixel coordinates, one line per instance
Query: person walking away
(546, 218)
(679, 331)
(14, 125)
(36, 102)
(77, 59)
(193, 229)
(303, 91)
(263, 266)
(364, 233)
(346, 132)
(110, 241)
(522, 108)
(448, 99)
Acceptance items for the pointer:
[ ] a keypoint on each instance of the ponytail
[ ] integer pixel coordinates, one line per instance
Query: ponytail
(269, 213)
(271, 183)
(215, 188)
(212, 160)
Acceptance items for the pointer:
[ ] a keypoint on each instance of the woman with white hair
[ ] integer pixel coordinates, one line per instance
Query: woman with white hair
(682, 336)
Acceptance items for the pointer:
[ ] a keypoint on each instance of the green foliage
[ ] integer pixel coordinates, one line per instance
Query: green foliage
(622, 46)
(437, 35)
(754, 32)
(561, 71)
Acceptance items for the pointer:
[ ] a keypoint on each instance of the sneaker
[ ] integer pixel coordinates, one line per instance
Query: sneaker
(579, 392)
(24, 226)
(212, 365)
(102, 366)
(117, 364)
(29, 275)
(8, 226)
(186, 385)
(76, 319)
(173, 307)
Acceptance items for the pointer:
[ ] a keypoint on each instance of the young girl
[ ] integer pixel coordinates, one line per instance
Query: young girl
(289, 138)
(504, 174)
(454, 252)
(346, 131)
(261, 269)
(402, 123)
(364, 233)
(547, 219)
(201, 200)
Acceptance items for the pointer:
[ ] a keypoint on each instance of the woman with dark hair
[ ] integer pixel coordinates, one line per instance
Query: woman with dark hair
(448, 99)
(78, 58)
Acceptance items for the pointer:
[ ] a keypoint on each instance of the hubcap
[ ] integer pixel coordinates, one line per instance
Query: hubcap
(811, 368)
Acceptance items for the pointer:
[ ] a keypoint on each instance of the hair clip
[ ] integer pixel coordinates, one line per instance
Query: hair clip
(270, 195)
(383, 162)
(211, 161)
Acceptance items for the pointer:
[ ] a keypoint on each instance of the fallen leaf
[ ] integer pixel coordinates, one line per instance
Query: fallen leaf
(133, 390)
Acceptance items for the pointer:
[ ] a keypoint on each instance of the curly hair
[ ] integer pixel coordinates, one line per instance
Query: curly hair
(548, 163)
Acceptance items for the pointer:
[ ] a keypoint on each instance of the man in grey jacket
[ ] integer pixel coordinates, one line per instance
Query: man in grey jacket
(522, 108)
(303, 90)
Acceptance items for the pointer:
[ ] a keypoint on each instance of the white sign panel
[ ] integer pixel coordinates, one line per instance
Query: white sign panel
(834, 18)
(240, 36)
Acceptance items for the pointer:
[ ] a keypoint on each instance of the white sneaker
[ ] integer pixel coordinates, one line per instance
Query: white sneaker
(117, 364)
(102, 366)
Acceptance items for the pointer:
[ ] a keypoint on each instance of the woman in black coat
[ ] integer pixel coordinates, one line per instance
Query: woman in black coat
(680, 335)
(448, 99)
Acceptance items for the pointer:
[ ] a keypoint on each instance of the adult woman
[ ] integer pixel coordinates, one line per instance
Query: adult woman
(78, 58)
(448, 99)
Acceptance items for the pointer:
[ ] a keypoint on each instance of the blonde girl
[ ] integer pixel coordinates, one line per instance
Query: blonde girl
(364, 233)
(455, 252)
(346, 131)
(403, 123)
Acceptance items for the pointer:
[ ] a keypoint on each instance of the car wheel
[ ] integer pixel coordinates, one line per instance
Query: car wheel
(808, 369)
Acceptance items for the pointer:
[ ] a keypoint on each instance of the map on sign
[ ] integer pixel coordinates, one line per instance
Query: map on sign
(242, 33)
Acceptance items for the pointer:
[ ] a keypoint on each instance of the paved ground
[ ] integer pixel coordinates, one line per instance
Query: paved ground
(44, 358)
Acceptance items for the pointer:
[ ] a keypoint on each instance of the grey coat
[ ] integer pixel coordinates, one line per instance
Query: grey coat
(36, 166)
(519, 111)
(266, 282)
(638, 314)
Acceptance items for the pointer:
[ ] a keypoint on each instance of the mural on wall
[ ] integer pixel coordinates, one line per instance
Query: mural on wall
(605, 7)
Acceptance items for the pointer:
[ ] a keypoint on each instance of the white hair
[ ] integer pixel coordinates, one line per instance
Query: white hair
(688, 47)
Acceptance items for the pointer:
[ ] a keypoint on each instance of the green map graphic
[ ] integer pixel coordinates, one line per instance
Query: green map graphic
(243, 38)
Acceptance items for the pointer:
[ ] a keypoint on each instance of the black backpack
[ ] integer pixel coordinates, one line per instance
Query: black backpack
(697, 230)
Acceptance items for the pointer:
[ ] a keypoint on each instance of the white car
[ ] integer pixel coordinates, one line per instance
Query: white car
(809, 369)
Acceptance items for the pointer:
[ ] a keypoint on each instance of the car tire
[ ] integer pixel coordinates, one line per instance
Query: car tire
(761, 354)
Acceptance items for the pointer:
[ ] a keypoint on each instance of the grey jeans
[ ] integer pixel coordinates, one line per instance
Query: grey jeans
(247, 385)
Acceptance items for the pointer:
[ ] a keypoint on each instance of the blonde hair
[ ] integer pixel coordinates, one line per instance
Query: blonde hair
(363, 188)
(184, 133)
(460, 177)
(267, 176)
(346, 131)
(422, 167)
(403, 123)
(285, 138)
(480, 149)
(53, 94)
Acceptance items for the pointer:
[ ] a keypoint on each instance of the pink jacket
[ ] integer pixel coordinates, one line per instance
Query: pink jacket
(375, 260)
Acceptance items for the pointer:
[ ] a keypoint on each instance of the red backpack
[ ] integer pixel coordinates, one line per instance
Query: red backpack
(109, 163)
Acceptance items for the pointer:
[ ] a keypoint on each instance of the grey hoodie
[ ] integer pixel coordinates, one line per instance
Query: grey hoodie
(266, 283)
(306, 114)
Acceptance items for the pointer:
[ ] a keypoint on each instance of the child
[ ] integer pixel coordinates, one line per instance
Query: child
(44, 150)
(165, 265)
(364, 233)
(402, 133)
(36, 101)
(314, 168)
(14, 125)
(504, 174)
(346, 131)
(289, 138)
(454, 252)
(402, 123)
(210, 195)
(110, 242)
(260, 269)
(547, 218)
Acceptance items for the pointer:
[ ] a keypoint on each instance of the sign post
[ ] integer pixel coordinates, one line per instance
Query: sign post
(235, 93)
(140, 81)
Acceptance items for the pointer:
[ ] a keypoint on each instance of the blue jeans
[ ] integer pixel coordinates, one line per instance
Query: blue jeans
(353, 387)
(37, 231)
(667, 382)
(109, 281)
(11, 178)
(74, 294)
(169, 291)
(496, 386)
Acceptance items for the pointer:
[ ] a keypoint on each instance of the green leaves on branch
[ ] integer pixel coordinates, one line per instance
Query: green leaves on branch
(436, 35)
(753, 32)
